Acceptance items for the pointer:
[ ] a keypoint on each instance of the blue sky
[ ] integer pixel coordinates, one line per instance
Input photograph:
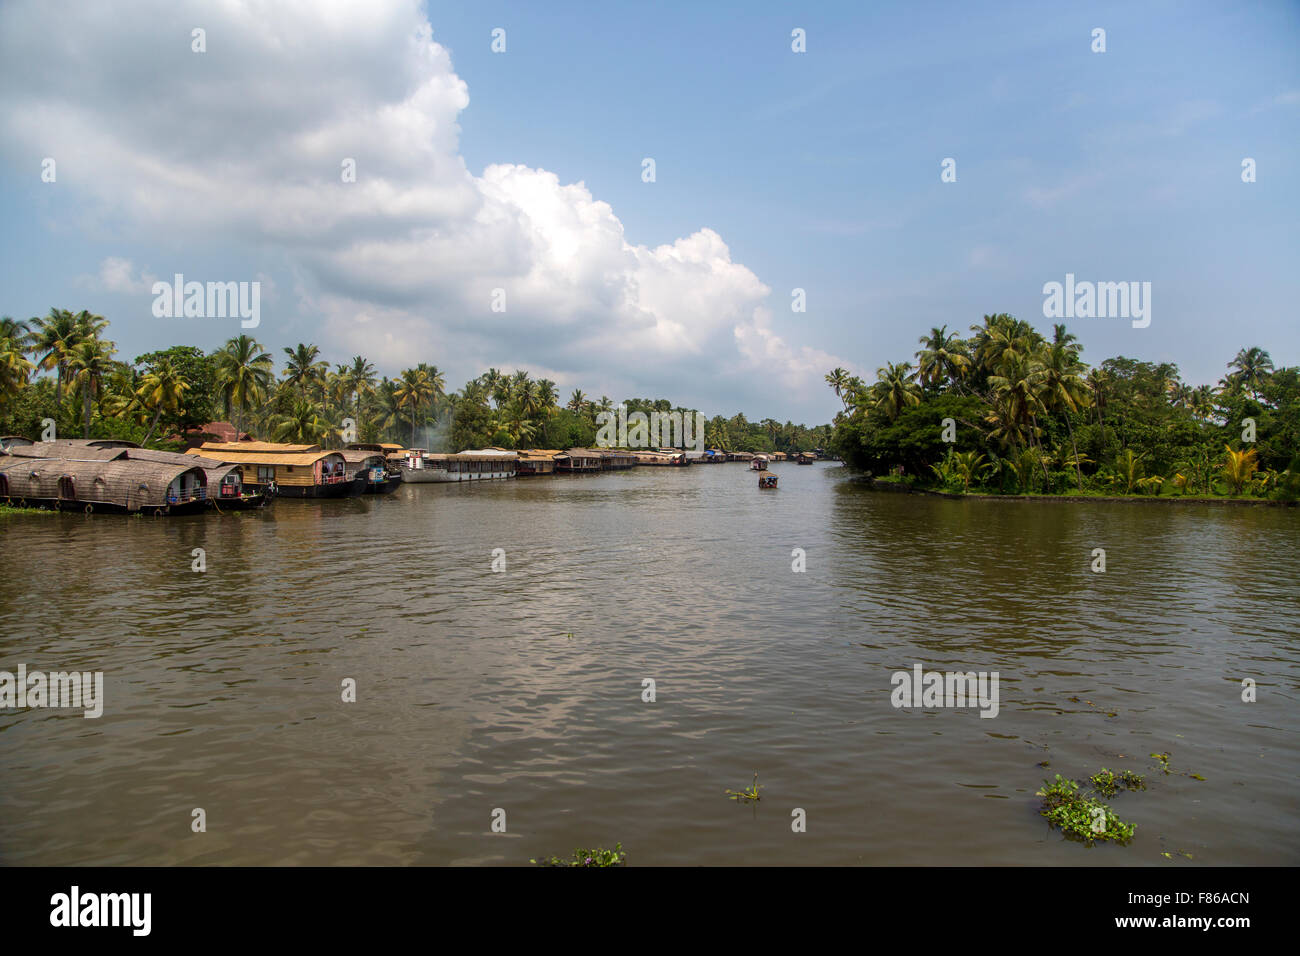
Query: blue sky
(818, 170)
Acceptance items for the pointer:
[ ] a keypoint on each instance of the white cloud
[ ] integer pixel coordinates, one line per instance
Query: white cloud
(244, 144)
(118, 275)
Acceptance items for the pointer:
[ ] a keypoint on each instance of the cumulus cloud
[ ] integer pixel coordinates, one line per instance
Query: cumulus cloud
(118, 275)
(246, 144)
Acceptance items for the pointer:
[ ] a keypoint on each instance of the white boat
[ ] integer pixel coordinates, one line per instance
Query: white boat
(758, 463)
(475, 465)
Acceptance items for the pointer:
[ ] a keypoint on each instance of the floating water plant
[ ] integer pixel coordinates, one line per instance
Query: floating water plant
(1081, 817)
(749, 793)
(1108, 783)
(595, 857)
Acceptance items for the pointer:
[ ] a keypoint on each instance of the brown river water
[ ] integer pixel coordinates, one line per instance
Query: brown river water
(522, 690)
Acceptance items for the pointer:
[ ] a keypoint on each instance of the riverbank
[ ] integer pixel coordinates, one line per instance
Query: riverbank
(903, 487)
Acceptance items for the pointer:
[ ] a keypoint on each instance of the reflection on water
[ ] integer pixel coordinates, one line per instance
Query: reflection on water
(522, 690)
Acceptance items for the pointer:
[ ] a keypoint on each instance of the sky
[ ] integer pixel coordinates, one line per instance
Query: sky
(501, 213)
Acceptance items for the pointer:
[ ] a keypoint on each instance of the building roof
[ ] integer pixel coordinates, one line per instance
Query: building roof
(260, 447)
(239, 457)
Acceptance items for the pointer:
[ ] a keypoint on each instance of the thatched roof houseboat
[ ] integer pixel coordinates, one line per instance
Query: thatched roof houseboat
(662, 458)
(287, 471)
(367, 469)
(103, 482)
(538, 461)
(579, 460)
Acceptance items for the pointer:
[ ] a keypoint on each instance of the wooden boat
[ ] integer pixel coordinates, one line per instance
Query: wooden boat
(367, 472)
(805, 458)
(104, 482)
(758, 463)
(767, 480)
(537, 461)
(285, 471)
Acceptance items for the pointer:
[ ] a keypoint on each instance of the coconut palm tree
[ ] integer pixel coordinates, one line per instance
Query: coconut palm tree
(896, 388)
(838, 380)
(303, 368)
(163, 389)
(577, 401)
(88, 363)
(15, 368)
(1251, 369)
(969, 465)
(303, 425)
(49, 341)
(1063, 388)
(244, 375)
(414, 390)
(1130, 468)
(941, 358)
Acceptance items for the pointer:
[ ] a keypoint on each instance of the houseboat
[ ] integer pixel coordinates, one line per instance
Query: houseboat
(368, 472)
(767, 480)
(472, 465)
(538, 461)
(103, 483)
(713, 456)
(669, 458)
(579, 460)
(286, 471)
(758, 463)
(226, 491)
(805, 458)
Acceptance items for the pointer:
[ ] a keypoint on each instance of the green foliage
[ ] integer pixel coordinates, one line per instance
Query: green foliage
(1079, 816)
(1108, 783)
(749, 794)
(581, 857)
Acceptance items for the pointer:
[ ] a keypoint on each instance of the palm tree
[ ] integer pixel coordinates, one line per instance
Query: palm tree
(838, 380)
(14, 365)
(1238, 467)
(244, 374)
(896, 389)
(1252, 367)
(303, 425)
(1131, 469)
(968, 465)
(1063, 388)
(413, 390)
(360, 377)
(161, 389)
(941, 358)
(49, 341)
(88, 362)
(303, 369)
(577, 401)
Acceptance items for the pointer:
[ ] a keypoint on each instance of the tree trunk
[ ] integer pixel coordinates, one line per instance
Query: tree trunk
(154, 424)
(1078, 471)
(87, 408)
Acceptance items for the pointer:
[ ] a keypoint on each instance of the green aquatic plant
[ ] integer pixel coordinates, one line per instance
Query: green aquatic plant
(1081, 817)
(1108, 783)
(598, 856)
(749, 793)
(1164, 761)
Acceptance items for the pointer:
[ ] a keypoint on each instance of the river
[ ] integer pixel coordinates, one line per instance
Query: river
(521, 690)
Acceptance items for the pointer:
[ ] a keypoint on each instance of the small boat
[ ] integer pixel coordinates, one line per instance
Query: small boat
(758, 463)
(767, 481)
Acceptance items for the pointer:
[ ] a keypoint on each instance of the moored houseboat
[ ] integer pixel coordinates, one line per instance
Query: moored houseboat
(662, 458)
(805, 458)
(367, 471)
(226, 491)
(578, 460)
(713, 456)
(286, 471)
(537, 461)
(103, 483)
(758, 463)
(480, 464)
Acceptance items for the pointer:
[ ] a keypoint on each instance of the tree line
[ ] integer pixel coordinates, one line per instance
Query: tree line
(1007, 409)
(63, 367)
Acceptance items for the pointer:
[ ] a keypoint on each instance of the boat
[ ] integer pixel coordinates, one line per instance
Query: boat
(537, 461)
(805, 458)
(285, 471)
(767, 480)
(577, 460)
(367, 472)
(106, 481)
(472, 465)
(758, 463)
